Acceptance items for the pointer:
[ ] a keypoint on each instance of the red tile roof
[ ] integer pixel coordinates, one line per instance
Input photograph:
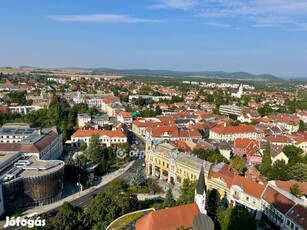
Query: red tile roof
(278, 200)
(299, 215)
(234, 129)
(109, 100)
(226, 173)
(169, 218)
(162, 121)
(285, 185)
(278, 138)
(125, 115)
(250, 187)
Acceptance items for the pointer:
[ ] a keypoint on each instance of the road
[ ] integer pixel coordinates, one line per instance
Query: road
(85, 200)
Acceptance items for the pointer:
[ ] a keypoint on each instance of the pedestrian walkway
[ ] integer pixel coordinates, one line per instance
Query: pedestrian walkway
(165, 186)
(142, 196)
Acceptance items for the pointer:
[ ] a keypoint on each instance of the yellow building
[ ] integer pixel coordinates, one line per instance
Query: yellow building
(220, 178)
(167, 163)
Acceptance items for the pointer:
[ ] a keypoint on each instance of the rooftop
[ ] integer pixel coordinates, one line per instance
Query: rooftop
(169, 218)
(16, 131)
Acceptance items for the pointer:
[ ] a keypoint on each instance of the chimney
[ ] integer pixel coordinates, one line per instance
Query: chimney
(39, 131)
(224, 124)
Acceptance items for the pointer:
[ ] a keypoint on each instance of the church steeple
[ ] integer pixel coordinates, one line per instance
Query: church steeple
(200, 192)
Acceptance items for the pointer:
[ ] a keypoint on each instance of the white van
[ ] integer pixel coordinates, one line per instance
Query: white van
(29, 216)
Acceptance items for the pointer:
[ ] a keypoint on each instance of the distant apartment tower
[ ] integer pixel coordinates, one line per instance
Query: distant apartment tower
(231, 109)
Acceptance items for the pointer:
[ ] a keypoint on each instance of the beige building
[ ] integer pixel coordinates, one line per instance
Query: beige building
(111, 106)
(231, 133)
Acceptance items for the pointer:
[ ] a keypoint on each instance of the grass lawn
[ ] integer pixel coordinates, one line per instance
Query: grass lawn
(122, 222)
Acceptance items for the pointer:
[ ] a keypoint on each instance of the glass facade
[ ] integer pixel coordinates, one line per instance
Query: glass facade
(33, 191)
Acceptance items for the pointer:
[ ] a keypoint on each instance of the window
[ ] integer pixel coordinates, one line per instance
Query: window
(288, 222)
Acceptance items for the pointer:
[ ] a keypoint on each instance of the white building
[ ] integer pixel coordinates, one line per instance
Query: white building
(240, 92)
(83, 118)
(230, 109)
(125, 118)
(107, 137)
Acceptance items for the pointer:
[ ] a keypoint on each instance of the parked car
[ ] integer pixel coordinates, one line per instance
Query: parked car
(52, 213)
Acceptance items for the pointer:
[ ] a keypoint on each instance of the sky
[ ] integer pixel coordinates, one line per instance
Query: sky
(256, 36)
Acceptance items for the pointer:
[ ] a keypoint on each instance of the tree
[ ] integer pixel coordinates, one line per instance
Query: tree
(265, 110)
(48, 224)
(69, 217)
(241, 219)
(278, 171)
(158, 111)
(94, 150)
(102, 210)
(138, 178)
(217, 158)
(238, 164)
(169, 200)
(298, 172)
(301, 126)
(266, 163)
(124, 150)
(187, 192)
(83, 147)
(292, 151)
(295, 190)
(121, 196)
(213, 202)
(223, 217)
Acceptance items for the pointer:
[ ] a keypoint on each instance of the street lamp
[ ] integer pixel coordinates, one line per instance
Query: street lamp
(79, 184)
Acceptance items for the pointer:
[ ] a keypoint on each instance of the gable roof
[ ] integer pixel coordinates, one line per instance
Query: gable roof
(299, 214)
(169, 218)
(249, 186)
(278, 200)
(234, 129)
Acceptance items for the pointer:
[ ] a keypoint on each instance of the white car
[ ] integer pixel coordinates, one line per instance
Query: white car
(143, 165)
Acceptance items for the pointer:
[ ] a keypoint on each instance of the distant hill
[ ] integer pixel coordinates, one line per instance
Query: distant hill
(204, 74)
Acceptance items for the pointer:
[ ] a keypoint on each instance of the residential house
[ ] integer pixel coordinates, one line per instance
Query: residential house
(276, 205)
(296, 218)
(125, 118)
(247, 193)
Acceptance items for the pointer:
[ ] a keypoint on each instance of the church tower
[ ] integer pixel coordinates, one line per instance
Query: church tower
(200, 192)
(240, 92)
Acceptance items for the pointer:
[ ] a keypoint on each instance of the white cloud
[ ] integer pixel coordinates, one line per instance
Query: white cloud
(176, 4)
(254, 12)
(218, 25)
(102, 18)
